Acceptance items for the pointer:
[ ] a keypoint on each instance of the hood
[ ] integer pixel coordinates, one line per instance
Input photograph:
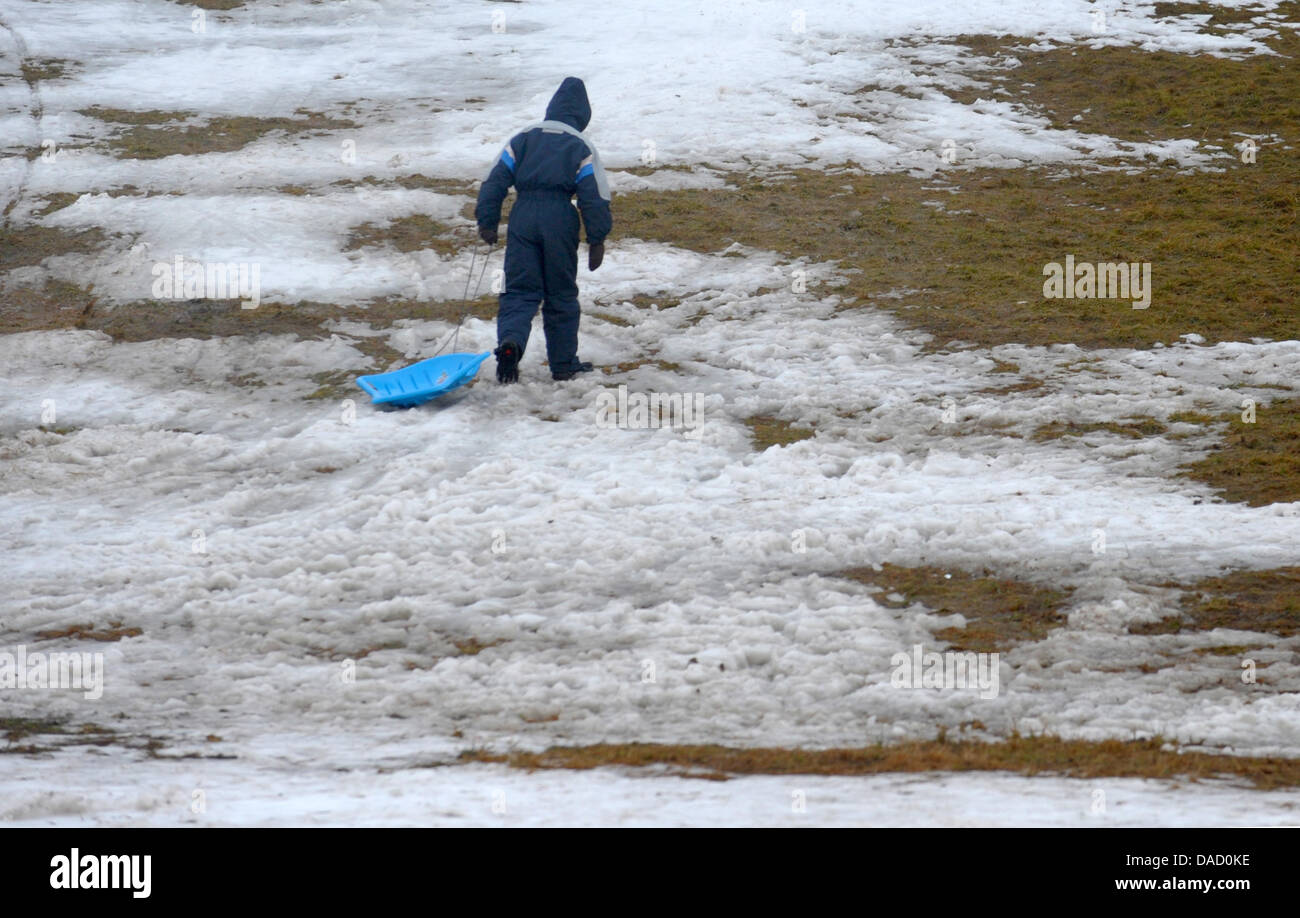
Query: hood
(570, 105)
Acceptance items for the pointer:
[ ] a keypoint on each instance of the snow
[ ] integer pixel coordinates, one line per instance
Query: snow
(229, 793)
(473, 86)
(261, 540)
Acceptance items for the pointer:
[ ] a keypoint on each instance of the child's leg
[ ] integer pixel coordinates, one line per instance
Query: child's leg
(560, 318)
(524, 288)
(561, 312)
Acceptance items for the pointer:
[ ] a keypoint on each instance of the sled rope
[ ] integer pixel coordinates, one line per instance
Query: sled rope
(455, 336)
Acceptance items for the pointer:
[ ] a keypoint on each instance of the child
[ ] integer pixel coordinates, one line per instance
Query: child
(548, 163)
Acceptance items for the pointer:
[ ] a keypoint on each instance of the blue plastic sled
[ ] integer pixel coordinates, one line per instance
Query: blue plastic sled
(422, 381)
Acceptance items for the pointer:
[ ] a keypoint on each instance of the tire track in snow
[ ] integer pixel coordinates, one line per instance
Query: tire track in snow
(21, 55)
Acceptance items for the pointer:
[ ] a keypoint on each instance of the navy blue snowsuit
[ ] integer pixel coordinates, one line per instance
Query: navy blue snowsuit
(547, 163)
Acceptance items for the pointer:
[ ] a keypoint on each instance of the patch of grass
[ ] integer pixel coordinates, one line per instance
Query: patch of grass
(155, 134)
(1134, 429)
(1257, 463)
(1039, 755)
(338, 656)
(449, 186)
(213, 4)
(466, 647)
(1000, 613)
(1227, 650)
(333, 385)
(113, 631)
(45, 68)
(629, 365)
(471, 647)
(31, 244)
(125, 190)
(149, 320)
(1191, 417)
(770, 431)
(644, 171)
(1267, 601)
(645, 301)
(1221, 243)
(56, 201)
(384, 311)
(128, 116)
(58, 304)
(63, 305)
(20, 728)
(14, 730)
(612, 320)
(1146, 95)
(1262, 385)
(1026, 384)
(1223, 17)
(414, 233)
(1170, 624)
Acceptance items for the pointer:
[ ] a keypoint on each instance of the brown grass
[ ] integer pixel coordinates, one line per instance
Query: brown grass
(770, 431)
(416, 180)
(645, 301)
(1257, 463)
(1140, 95)
(1017, 755)
(413, 233)
(1000, 612)
(156, 134)
(56, 201)
(14, 730)
(113, 631)
(1266, 601)
(47, 68)
(1219, 15)
(33, 243)
(1133, 429)
(628, 366)
(129, 116)
(473, 646)
(1221, 243)
(213, 4)
(336, 655)
(1026, 384)
(63, 305)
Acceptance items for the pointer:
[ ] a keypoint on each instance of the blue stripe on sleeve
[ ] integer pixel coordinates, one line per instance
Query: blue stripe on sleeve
(508, 159)
(584, 172)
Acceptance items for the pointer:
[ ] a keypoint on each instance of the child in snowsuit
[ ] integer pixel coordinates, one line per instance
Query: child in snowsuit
(547, 163)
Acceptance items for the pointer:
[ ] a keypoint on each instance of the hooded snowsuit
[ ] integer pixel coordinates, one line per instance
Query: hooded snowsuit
(547, 163)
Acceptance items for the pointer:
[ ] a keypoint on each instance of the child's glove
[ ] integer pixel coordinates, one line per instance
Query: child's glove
(595, 255)
(488, 235)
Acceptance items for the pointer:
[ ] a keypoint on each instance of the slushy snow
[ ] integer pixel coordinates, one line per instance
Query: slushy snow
(302, 571)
